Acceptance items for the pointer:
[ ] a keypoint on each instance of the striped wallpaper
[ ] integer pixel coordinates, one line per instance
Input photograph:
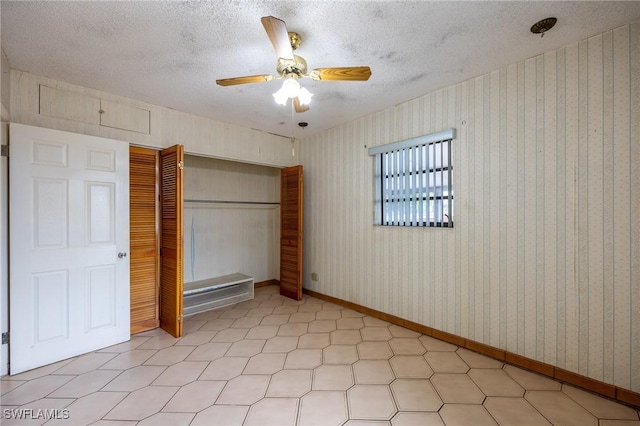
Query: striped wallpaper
(544, 258)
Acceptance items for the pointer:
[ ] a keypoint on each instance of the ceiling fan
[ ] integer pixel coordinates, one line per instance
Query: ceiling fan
(292, 67)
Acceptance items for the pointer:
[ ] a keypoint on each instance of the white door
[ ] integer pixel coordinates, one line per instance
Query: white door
(69, 240)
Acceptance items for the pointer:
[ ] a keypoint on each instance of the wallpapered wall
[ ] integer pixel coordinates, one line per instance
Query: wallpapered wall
(544, 258)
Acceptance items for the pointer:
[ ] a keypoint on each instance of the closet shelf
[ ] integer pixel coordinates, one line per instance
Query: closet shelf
(261, 203)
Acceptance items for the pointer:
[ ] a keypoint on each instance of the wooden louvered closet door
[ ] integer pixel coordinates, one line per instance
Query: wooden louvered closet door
(291, 199)
(144, 242)
(171, 239)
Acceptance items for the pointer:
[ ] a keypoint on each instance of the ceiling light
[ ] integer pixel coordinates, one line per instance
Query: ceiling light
(291, 89)
(543, 26)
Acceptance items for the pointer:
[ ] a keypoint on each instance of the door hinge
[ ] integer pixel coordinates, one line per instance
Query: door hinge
(180, 165)
(180, 317)
(5, 338)
(4, 150)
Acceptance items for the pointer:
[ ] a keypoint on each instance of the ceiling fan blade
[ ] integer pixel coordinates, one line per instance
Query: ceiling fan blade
(245, 80)
(341, 74)
(298, 106)
(277, 31)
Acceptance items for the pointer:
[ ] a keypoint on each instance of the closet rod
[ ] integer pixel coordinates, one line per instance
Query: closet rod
(231, 202)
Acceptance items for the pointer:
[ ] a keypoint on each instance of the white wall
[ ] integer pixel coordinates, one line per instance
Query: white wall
(4, 243)
(223, 238)
(544, 258)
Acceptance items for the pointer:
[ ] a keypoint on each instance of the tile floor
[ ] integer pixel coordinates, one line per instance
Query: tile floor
(275, 361)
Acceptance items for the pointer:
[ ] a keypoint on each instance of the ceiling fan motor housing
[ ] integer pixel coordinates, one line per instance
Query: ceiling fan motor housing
(292, 68)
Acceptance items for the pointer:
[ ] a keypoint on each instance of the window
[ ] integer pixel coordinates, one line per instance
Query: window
(413, 181)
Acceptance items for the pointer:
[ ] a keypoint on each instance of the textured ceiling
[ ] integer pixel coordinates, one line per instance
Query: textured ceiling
(171, 53)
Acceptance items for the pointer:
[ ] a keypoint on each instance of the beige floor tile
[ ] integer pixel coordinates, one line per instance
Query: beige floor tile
(130, 359)
(192, 326)
(262, 332)
(86, 363)
(322, 326)
(246, 322)
(350, 323)
(374, 322)
(114, 423)
(345, 337)
(350, 313)
(374, 350)
(514, 412)
(333, 377)
(367, 423)
(230, 335)
(224, 368)
(303, 359)
(273, 411)
(271, 303)
(410, 367)
(85, 384)
(437, 345)
(415, 395)
(314, 341)
(277, 319)
(339, 354)
(265, 364)
(310, 308)
(196, 338)
(169, 356)
(217, 324)
(323, 408)
(181, 373)
(293, 329)
(406, 346)
(160, 341)
(457, 388)
(164, 419)
(280, 344)
(397, 331)
(600, 407)
(370, 402)
(375, 334)
(619, 423)
(234, 313)
(206, 316)
(328, 306)
(135, 378)
(417, 419)
(195, 397)
(142, 403)
(9, 385)
(91, 408)
(260, 312)
(328, 315)
(34, 390)
(38, 372)
(529, 380)
(446, 362)
(494, 382)
(302, 317)
(373, 372)
(290, 383)
(208, 352)
(284, 310)
(476, 360)
(244, 390)
(246, 348)
(558, 408)
(466, 414)
(130, 345)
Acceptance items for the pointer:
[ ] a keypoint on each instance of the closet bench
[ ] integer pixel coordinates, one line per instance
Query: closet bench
(212, 293)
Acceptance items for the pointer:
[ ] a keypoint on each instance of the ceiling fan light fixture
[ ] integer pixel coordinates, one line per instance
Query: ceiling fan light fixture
(292, 89)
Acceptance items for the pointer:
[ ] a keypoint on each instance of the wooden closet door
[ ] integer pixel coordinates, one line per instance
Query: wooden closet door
(171, 239)
(144, 241)
(291, 199)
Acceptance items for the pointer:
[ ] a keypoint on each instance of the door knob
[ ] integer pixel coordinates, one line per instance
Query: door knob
(122, 255)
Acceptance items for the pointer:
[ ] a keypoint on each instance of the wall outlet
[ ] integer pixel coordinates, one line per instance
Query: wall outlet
(314, 276)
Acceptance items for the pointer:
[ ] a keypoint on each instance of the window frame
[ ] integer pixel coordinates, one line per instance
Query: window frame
(400, 172)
